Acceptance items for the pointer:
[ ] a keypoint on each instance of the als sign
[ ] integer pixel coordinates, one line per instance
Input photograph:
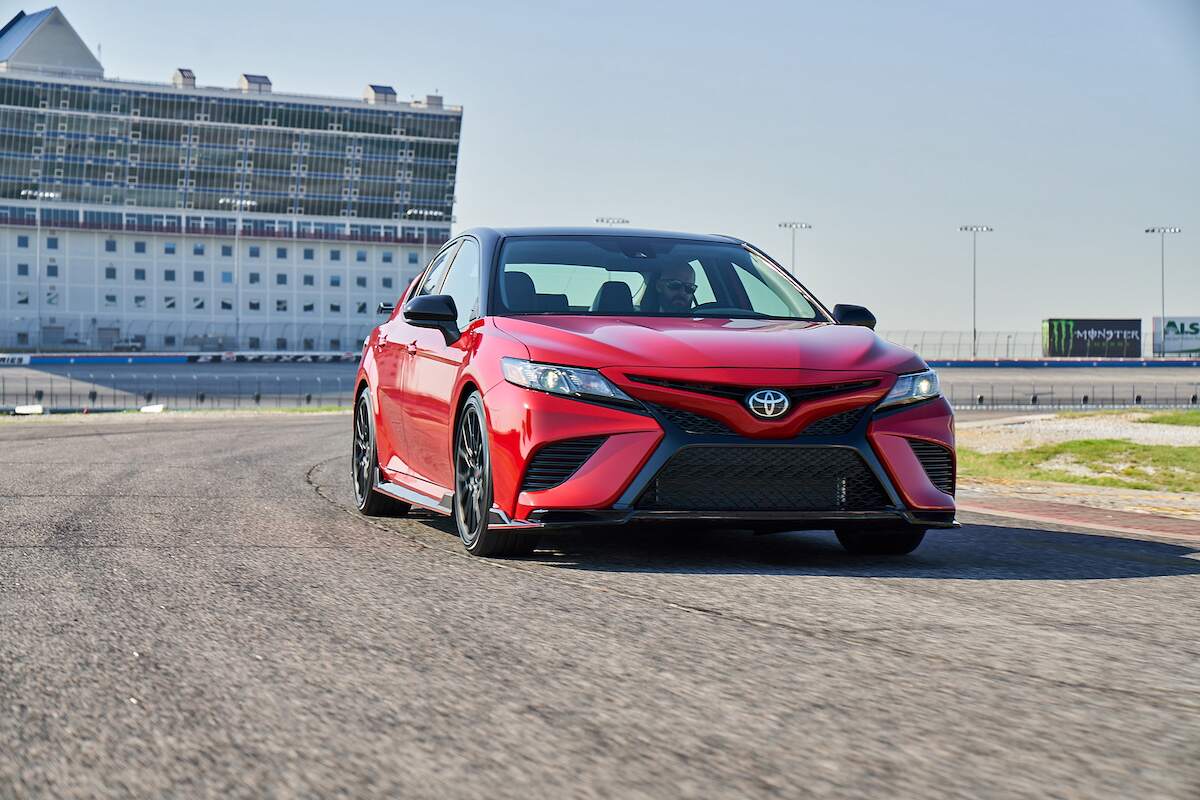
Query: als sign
(1183, 336)
(1092, 338)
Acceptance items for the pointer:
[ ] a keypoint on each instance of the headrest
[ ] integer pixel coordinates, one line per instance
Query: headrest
(614, 297)
(519, 294)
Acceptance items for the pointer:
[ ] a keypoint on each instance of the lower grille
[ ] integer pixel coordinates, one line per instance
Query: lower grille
(556, 462)
(690, 422)
(835, 424)
(764, 478)
(938, 463)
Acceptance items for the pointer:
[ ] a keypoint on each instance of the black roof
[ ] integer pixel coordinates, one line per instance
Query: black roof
(604, 231)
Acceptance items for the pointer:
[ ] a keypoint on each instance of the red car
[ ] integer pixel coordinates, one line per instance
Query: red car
(535, 379)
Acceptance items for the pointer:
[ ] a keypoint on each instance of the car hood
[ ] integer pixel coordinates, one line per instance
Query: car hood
(705, 342)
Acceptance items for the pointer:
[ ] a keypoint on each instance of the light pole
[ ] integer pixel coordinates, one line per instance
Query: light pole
(38, 196)
(795, 226)
(611, 221)
(238, 204)
(1162, 267)
(974, 230)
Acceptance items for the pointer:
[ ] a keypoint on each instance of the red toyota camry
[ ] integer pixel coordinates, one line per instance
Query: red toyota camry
(534, 379)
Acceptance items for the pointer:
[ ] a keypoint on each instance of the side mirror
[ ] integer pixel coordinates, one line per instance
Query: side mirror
(853, 315)
(385, 308)
(434, 311)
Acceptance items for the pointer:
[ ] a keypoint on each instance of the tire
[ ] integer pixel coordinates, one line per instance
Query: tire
(364, 466)
(473, 489)
(898, 541)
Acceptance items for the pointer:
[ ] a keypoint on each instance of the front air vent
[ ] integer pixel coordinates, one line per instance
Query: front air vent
(834, 425)
(797, 394)
(555, 463)
(938, 463)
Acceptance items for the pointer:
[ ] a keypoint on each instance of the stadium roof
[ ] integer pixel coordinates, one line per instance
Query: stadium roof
(45, 41)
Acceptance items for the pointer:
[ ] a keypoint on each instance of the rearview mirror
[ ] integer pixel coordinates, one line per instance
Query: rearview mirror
(853, 315)
(434, 311)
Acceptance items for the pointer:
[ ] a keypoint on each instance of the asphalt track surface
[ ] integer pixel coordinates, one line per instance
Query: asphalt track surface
(189, 607)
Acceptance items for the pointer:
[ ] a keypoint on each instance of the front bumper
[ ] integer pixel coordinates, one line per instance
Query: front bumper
(611, 488)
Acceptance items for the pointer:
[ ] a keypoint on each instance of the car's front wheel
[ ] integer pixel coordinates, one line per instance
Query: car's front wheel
(881, 541)
(364, 466)
(473, 488)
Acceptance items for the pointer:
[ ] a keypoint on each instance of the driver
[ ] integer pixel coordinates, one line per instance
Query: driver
(675, 287)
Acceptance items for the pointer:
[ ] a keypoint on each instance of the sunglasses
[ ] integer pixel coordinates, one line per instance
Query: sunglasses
(678, 285)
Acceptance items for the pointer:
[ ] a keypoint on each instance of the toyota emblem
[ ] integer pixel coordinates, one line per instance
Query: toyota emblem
(768, 403)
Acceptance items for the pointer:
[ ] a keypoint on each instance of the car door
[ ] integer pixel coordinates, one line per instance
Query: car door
(433, 369)
(391, 359)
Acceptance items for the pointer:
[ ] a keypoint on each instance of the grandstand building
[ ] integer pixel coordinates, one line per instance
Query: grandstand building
(189, 217)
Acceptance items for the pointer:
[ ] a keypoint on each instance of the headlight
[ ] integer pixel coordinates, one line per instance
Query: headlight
(569, 381)
(911, 388)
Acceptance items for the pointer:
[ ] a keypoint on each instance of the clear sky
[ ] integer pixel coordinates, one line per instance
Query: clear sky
(1069, 126)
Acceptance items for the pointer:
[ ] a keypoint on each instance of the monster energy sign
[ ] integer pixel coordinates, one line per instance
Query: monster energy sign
(1092, 338)
(1183, 336)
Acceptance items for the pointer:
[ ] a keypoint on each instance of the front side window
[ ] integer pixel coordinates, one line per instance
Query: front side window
(462, 282)
(433, 275)
(644, 276)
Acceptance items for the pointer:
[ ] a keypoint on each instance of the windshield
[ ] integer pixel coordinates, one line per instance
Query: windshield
(632, 276)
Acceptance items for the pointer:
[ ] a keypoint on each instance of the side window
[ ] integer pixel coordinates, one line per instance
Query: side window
(763, 298)
(462, 282)
(433, 275)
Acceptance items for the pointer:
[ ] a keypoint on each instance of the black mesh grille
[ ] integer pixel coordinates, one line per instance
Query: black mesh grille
(764, 478)
(689, 421)
(835, 424)
(797, 394)
(938, 463)
(554, 463)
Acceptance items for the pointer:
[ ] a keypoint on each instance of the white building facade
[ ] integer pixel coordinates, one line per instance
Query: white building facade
(189, 218)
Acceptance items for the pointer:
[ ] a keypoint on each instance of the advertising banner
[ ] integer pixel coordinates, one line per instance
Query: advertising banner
(1092, 338)
(1183, 336)
(7, 360)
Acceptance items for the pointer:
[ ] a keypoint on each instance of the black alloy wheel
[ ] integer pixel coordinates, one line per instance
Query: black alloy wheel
(364, 466)
(473, 489)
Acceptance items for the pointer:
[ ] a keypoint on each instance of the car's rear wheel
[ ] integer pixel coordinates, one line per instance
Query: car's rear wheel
(473, 489)
(364, 466)
(881, 541)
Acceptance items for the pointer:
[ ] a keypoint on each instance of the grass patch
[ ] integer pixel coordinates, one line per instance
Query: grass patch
(1189, 418)
(1093, 462)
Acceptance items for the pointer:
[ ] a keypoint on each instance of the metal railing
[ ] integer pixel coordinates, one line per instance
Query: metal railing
(1071, 396)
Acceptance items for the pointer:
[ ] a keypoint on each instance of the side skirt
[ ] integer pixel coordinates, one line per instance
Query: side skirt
(445, 505)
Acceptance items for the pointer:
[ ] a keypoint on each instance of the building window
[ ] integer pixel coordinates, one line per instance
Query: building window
(168, 276)
(309, 344)
(51, 242)
(110, 300)
(387, 283)
(226, 304)
(226, 251)
(254, 277)
(309, 254)
(139, 301)
(362, 308)
(110, 245)
(254, 251)
(22, 241)
(22, 270)
(387, 256)
(255, 342)
(361, 256)
(22, 298)
(335, 255)
(197, 276)
(360, 281)
(335, 344)
(197, 303)
(281, 252)
(335, 308)
(139, 274)
(168, 302)
(310, 280)
(280, 343)
(139, 247)
(169, 340)
(226, 277)
(281, 279)
(52, 271)
(198, 249)
(110, 273)
(22, 338)
(281, 305)
(413, 258)
(255, 305)
(169, 249)
(310, 308)
(335, 280)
